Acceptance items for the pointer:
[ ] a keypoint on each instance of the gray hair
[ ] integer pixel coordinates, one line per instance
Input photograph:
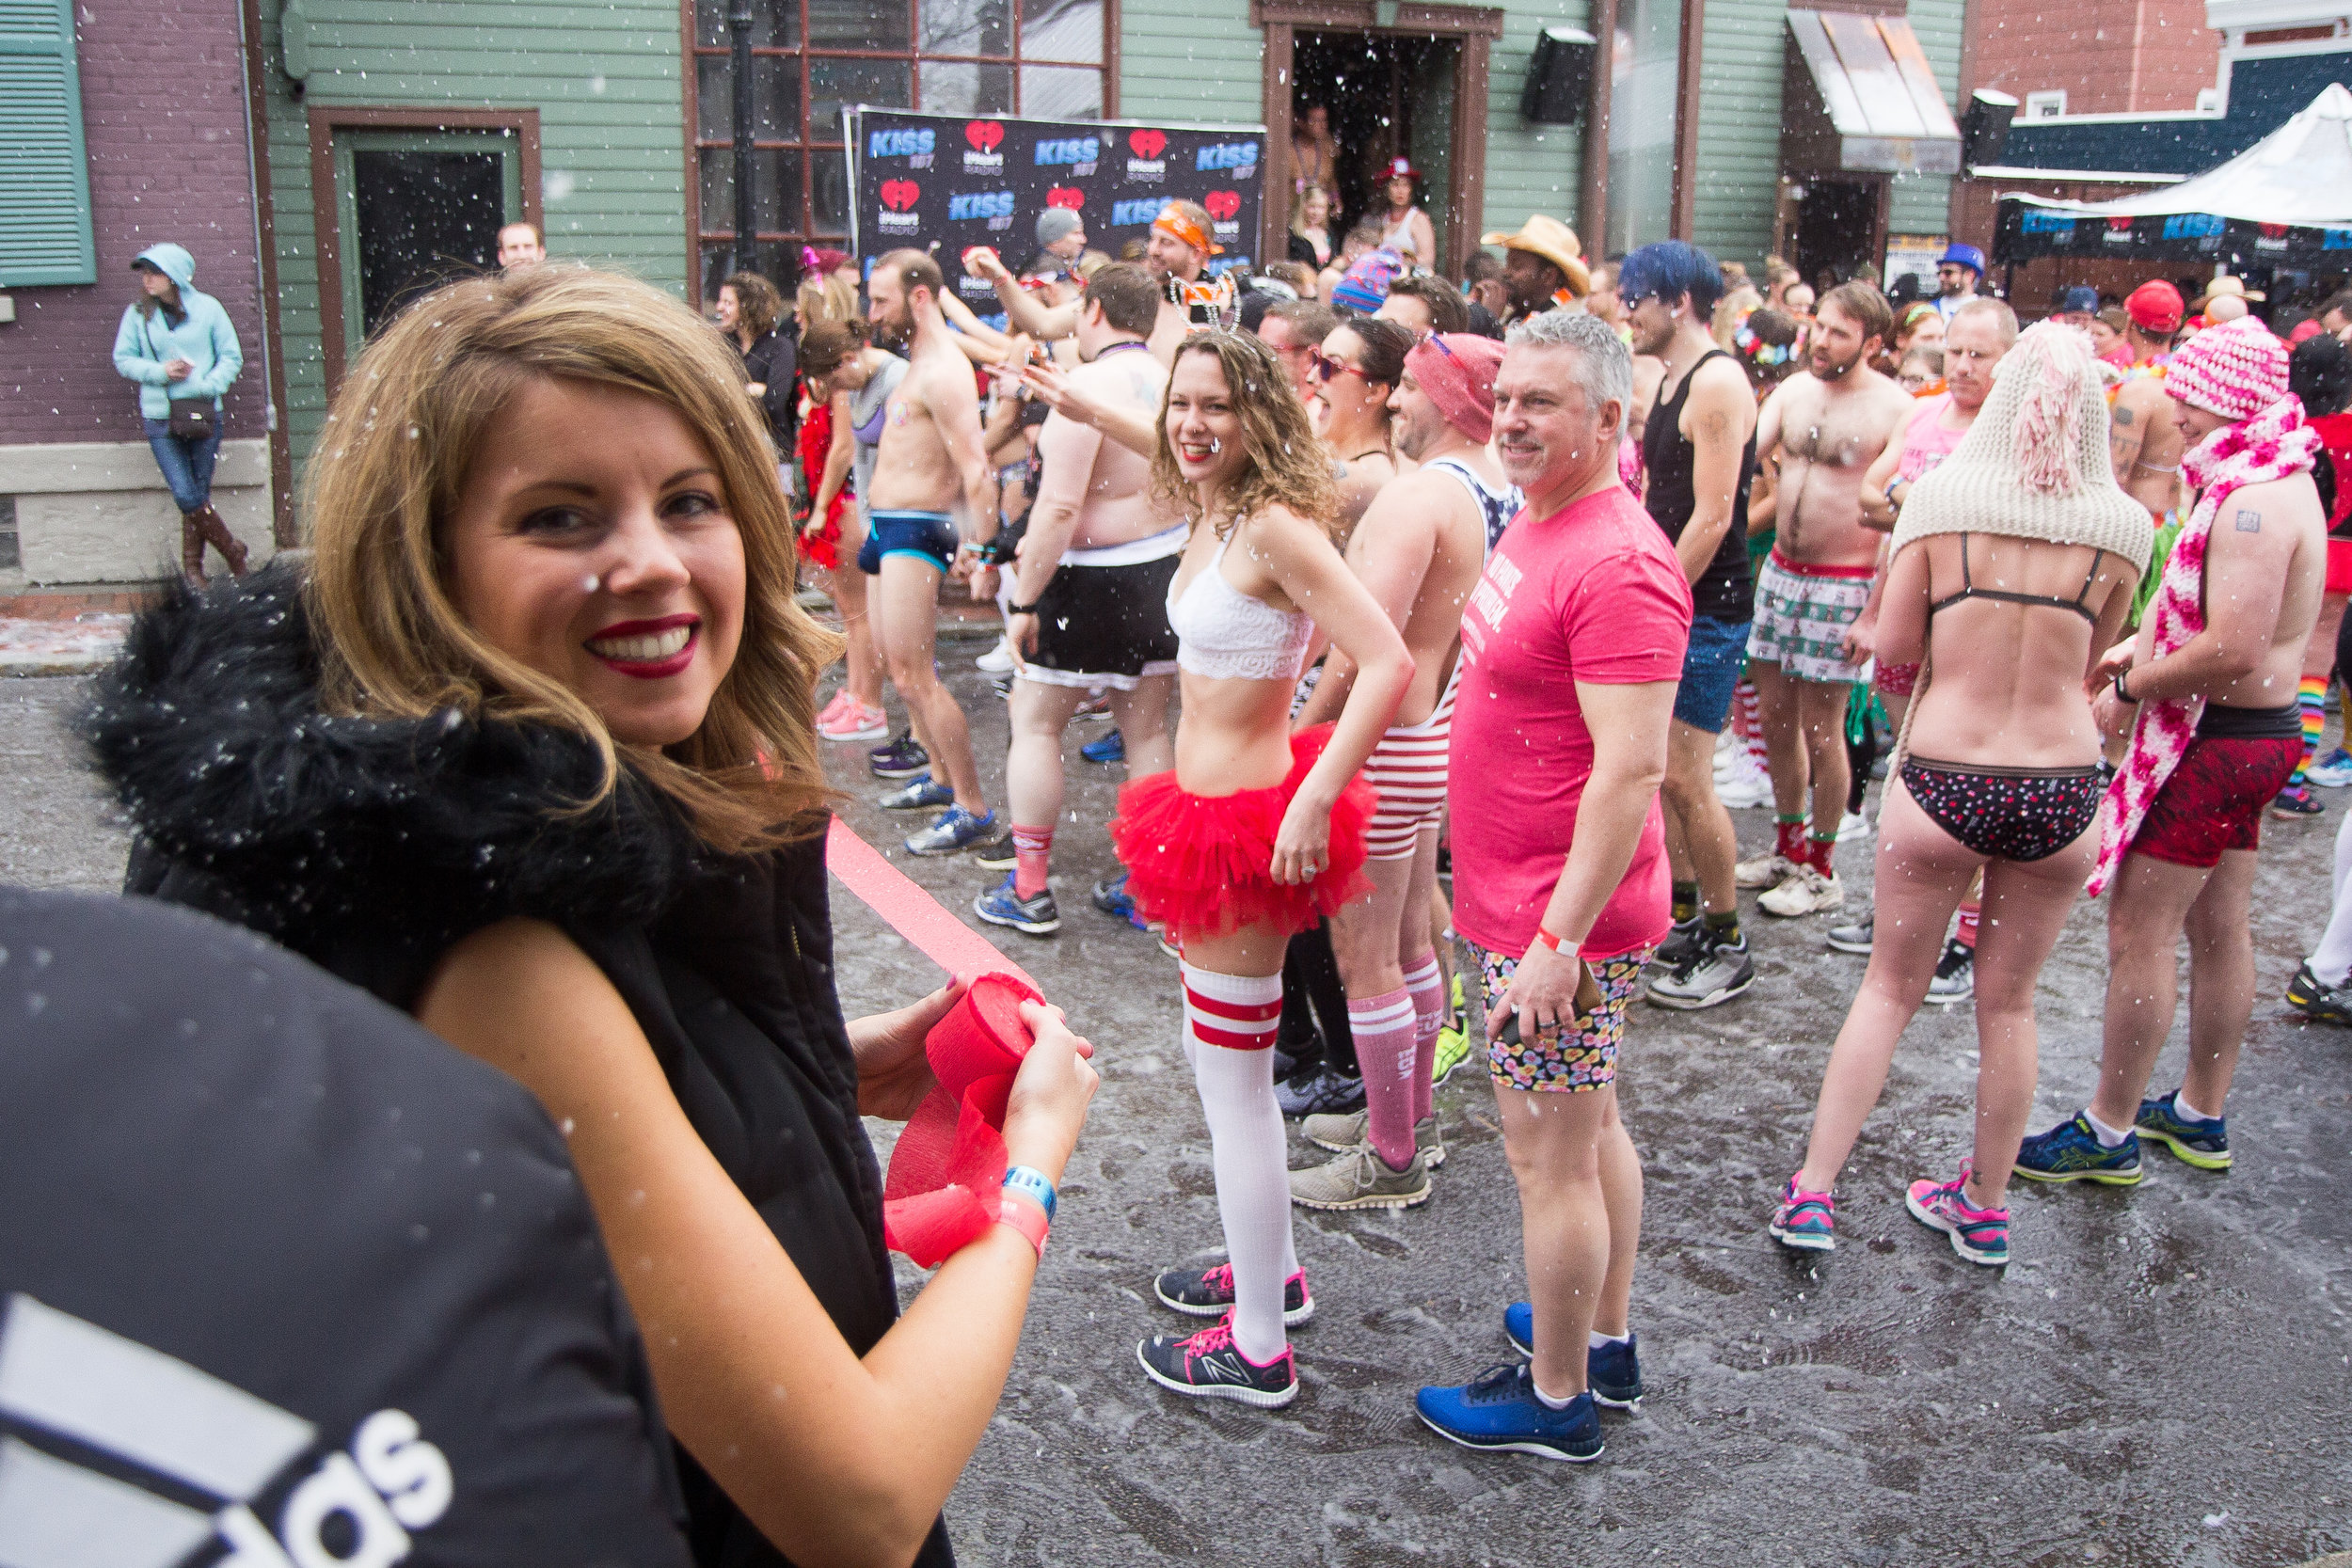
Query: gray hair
(1604, 366)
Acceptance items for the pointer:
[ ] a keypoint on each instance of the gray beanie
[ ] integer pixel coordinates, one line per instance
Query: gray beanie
(1055, 224)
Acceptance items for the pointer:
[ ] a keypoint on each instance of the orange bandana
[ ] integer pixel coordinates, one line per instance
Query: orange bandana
(1173, 222)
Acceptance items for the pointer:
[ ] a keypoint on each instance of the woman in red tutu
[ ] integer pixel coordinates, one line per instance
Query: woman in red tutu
(1257, 833)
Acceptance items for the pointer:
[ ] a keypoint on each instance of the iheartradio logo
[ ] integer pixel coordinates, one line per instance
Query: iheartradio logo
(1066, 195)
(985, 136)
(901, 194)
(1222, 205)
(1146, 144)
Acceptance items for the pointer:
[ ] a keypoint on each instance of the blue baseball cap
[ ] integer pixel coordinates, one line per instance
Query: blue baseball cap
(2081, 300)
(1964, 255)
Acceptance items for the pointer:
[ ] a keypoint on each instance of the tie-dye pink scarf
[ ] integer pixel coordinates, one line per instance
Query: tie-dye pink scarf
(2271, 445)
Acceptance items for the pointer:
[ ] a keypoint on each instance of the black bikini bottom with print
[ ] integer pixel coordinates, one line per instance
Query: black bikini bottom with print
(2016, 814)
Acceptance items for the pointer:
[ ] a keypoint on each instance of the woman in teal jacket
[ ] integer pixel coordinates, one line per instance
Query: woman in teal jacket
(177, 345)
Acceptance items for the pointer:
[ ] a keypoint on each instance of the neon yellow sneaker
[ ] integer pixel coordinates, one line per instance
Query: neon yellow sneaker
(1452, 1040)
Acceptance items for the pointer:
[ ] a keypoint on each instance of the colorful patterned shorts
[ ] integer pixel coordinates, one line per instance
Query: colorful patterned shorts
(1802, 615)
(1564, 1063)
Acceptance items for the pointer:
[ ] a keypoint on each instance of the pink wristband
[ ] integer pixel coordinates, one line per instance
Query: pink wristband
(1027, 1218)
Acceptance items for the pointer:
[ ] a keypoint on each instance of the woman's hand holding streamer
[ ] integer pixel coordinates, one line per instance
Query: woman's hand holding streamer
(893, 1071)
(1050, 1093)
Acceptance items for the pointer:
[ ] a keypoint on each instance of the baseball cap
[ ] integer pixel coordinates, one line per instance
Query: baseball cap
(2080, 300)
(1963, 255)
(1056, 224)
(2155, 307)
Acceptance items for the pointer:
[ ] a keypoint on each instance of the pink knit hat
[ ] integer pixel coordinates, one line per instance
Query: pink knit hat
(1457, 370)
(2235, 369)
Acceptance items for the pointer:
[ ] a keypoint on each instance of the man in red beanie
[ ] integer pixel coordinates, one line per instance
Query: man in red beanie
(2142, 437)
(2211, 745)
(1420, 548)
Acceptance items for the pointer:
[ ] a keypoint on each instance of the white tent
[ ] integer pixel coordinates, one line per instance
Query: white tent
(2299, 174)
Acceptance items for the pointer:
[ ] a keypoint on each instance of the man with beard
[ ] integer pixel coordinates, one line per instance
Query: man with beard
(1419, 549)
(932, 456)
(1175, 254)
(1543, 267)
(1957, 274)
(1089, 594)
(1698, 448)
(1830, 423)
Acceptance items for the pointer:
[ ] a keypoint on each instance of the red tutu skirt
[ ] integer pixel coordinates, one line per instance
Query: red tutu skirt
(821, 546)
(1202, 864)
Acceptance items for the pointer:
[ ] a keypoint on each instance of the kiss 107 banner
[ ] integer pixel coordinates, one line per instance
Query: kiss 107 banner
(947, 183)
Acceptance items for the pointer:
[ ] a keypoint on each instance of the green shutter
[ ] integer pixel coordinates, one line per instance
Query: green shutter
(44, 173)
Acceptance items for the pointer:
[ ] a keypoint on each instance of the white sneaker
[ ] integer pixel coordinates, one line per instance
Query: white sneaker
(997, 660)
(1746, 785)
(1806, 892)
(1854, 825)
(1764, 871)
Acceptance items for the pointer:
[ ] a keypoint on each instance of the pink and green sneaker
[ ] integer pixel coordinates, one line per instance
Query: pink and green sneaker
(1979, 1235)
(1806, 1221)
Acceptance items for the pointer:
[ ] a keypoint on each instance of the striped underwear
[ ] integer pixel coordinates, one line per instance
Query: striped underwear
(1408, 771)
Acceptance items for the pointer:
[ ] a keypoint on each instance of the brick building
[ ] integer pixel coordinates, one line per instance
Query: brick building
(130, 126)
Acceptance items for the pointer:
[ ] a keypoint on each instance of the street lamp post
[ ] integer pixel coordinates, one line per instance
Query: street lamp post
(740, 43)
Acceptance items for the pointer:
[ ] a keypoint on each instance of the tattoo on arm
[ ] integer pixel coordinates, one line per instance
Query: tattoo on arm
(2123, 415)
(2249, 522)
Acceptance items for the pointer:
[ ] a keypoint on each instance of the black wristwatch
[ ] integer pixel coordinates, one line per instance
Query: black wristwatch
(2121, 694)
(1020, 609)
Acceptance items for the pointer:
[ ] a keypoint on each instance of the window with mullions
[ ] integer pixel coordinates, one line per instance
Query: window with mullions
(811, 59)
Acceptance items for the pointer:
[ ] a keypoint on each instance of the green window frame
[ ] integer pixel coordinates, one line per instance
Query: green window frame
(45, 235)
(506, 144)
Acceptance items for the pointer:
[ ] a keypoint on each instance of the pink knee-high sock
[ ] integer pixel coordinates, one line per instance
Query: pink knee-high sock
(1383, 1027)
(1230, 1022)
(1425, 982)
(1033, 856)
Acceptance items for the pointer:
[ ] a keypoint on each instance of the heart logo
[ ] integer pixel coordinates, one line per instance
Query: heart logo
(2119, 226)
(2273, 231)
(984, 135)
(1066, 195)
(899, 194)
(1222, 205)
(1147, 144)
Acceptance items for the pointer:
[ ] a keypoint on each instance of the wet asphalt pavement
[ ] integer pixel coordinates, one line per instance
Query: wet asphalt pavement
(2162, 1376)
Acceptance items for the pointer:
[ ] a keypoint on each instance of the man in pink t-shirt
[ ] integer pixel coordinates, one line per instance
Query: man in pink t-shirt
(1572, 647)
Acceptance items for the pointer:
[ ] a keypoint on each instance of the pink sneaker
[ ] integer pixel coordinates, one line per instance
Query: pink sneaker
(1979, 1235)
(853, 720)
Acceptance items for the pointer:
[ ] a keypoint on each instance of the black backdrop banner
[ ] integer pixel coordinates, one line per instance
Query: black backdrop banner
(947, 183)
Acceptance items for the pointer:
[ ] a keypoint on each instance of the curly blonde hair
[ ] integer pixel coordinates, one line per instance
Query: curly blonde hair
(1288, 466)
(387, 477)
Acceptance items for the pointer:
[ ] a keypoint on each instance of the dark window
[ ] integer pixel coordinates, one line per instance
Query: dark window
(1038, 57)
(423, 218)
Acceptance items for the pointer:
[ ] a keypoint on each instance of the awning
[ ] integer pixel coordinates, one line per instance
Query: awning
(1868, 100)
(2286, 200)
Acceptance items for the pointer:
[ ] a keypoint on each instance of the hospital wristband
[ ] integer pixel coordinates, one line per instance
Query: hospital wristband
(1560, 945)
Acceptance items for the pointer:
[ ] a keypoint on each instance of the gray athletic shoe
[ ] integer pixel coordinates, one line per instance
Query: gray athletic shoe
(1358, 1179)
(1717, 972)
(1343, 1133)
(1855, 938)
(1955, 974)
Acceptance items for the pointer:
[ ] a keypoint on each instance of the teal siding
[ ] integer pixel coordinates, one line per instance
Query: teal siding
(1531, 168)
(605, 79)
(1739, 125)
(1190, 62)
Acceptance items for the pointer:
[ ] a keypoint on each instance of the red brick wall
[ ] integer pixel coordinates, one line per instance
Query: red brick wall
(163, 111)
(2111, 56)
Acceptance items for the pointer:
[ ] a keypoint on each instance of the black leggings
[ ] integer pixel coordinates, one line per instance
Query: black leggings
(2011, 814)
(1312, 991)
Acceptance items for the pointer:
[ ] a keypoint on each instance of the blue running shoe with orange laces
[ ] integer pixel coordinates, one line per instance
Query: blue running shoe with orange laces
(2072, 1152)
(1979, 1235)
(1806, 1221)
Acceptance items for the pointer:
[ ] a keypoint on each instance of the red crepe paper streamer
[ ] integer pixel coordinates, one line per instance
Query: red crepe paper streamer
(946, 1176)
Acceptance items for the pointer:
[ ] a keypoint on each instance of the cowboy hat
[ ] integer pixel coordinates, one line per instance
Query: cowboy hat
(1555, 242)
(2226, 284)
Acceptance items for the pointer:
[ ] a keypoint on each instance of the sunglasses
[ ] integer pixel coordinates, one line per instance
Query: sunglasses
(1324, 367)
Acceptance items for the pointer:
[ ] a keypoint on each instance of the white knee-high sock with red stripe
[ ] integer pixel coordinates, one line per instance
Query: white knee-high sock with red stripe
(1230, 1024)
(1425, 982)
(1383, 1027)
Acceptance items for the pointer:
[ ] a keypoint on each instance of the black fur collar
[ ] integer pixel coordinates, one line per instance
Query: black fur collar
(209, 731)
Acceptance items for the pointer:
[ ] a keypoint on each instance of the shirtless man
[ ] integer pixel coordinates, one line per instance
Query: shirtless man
(1419, 549)
(1175, 254)
(933, 455)
(1830, 424)
(2215, 732)
(2143, 437)
(1089, 594)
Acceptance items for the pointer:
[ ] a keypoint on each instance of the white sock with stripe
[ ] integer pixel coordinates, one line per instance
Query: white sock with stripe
(1230, 1022)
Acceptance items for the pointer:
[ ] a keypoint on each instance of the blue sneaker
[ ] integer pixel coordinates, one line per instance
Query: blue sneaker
(954, 830)
(2332, 771)
(1035, 914)
(2071, 1151)
(1112, 748)
(1110, 896)
(1613, 1371)
(921, 792)
(1498, 1411)
(2203, 1143)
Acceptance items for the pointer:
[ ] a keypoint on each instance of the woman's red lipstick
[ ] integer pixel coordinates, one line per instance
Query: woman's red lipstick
(641, 642)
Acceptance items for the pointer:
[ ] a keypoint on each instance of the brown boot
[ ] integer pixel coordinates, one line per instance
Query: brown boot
(192, 548)
(216, 533)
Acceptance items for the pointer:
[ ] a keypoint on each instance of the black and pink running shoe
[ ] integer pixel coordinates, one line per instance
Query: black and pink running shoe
(1209, 1293)
(1208, 1365)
